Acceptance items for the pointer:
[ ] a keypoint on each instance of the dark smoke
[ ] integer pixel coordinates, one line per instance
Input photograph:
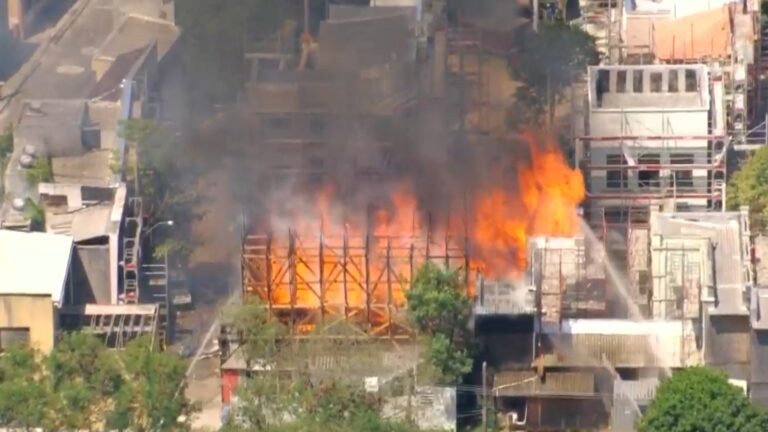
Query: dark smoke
(417, 139)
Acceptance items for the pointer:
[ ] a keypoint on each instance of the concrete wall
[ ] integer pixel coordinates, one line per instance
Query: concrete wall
(34, 312)
(680, 8)
(162, 9)
(91, 275)
(679, 268)
(727, 344)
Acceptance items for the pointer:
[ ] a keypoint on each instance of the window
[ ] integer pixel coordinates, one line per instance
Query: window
(10, 337)
(279, 123)
(649, 178)
(684, 178)
(621, 81)
(615, 179)
(615, 215)
(656, 78)
(691, 81)
(317, 124)
(602, 85)
(672, 81)
(637, 81)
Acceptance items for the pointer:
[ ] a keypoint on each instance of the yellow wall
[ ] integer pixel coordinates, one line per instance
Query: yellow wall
(35, 312)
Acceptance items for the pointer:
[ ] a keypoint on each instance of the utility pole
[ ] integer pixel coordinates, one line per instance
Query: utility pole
(536, 15)
(485, 394)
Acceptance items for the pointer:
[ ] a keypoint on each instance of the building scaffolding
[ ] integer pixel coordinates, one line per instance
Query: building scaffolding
(312, 281)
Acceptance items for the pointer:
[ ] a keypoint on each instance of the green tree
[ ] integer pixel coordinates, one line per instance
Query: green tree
(260, 336)
(40, 172)
(700, 399)
(440, 308)
(84, 377)
(749, 187)
(152, 398)
(35, 214)
(548, 61)
(164, 175)
(6, 146)
(305, 406)
(25, 396)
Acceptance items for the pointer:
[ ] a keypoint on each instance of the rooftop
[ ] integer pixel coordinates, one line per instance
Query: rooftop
(91, 168)
(78, 134)
(137, 32)
(34, 263)
(728, 234)
(53, 127)
(109, 86)
(84, 213)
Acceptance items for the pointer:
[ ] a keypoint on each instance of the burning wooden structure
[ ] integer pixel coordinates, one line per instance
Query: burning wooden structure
(313, 281)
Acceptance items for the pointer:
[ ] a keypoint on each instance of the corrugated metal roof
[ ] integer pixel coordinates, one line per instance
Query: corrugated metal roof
(586, 350)
(34, 263)
(513, 383)
(643, 390)
(82, 224)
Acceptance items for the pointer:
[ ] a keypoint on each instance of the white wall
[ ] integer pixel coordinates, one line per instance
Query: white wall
(679, 8)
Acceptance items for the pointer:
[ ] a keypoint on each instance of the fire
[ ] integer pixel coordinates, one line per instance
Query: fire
(544, 204)
(362, 265)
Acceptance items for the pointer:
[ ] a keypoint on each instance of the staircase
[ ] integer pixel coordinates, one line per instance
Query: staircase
(156, 278)
(132, 251)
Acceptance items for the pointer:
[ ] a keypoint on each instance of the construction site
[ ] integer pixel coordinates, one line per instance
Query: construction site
(594, 271)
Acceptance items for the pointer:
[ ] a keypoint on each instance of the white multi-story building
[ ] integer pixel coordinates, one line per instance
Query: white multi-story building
(651, 135)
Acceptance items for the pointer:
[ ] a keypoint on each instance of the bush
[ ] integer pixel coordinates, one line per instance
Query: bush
(40, 172)
(702, 400)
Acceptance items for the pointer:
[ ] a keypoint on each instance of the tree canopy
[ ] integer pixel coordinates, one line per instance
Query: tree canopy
(160, 171)
(701, 400)
(440, 308)
(81, 385)
(547, 63)
(749, 186)
(305, 406)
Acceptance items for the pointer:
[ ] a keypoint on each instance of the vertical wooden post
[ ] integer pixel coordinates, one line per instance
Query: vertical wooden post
(345, 255)
(389, 284)
(268, 271)
(485, 397)
(321, 275)
(292, 276)
(366, 264)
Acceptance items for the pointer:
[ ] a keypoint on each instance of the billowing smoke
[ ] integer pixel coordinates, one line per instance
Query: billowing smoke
(355, 135)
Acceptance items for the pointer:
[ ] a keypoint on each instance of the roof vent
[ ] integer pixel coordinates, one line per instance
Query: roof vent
(18, 204)
(35, 107)
(26, 161)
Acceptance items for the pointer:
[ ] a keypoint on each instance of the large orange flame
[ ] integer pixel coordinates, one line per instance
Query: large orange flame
(545, 203)
(502, 218)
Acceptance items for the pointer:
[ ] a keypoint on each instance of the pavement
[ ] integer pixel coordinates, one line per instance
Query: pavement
(214, 276)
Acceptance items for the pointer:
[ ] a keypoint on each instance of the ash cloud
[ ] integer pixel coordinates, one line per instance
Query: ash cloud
(361, 118)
